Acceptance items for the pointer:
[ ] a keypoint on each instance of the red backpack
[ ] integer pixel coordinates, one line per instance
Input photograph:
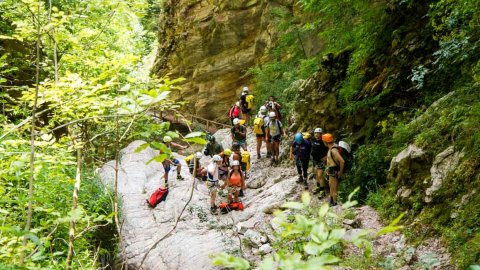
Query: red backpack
(157, 197)
(234, 112)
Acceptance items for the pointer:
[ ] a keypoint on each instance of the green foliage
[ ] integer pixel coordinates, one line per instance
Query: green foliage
(309, 238)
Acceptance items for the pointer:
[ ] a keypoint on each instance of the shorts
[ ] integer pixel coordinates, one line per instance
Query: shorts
(167, 167)
(212, 186)
(241, 142)
(260, 135)
(319, 164)
(276, 138)
(332, 171)
(233, 189)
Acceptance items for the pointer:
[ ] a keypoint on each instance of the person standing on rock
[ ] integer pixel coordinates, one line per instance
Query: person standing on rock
(225, 166)
(213, 181)
(335, 167)
(259, 129)
(201, 172)
(274, 135)
(319, 158)
(235, 111)
(239, 134)
(212, 148)
(246, 102)
(235, 182)
(301, 149)
(273, 106)
(167, 140)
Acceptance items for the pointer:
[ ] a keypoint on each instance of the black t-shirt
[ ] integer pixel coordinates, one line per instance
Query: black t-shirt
(236, 133)
(243, 101)
(319, 150)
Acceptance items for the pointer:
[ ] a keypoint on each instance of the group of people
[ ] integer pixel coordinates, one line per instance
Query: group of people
(230, 165)
(326, 158)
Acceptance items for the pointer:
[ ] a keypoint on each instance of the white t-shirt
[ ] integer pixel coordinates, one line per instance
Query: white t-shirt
(274, 127)
(212, 169)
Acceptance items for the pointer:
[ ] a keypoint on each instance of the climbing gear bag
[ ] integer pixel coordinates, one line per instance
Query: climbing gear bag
(257, 125)
(246, 159)
(158, 196)
(234, 112)
(249, 99)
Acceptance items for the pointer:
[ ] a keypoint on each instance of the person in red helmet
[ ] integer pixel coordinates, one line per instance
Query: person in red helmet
(335, 166)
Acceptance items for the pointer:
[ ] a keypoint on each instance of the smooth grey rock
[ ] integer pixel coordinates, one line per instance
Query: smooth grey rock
(265, 249)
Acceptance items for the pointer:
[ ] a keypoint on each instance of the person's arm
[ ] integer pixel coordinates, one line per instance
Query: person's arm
(339, 159)
(243, 180)
(178, 145)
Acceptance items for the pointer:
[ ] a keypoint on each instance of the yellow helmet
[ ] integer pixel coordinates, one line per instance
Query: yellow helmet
(227, 152)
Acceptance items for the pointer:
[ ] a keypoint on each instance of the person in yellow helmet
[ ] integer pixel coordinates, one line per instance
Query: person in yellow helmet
(225, 166)
(335, 166)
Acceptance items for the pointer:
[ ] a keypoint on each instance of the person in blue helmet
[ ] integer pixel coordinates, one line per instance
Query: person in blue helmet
(301, 150)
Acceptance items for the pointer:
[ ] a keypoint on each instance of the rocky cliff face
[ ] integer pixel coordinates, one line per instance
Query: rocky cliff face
(213, 44)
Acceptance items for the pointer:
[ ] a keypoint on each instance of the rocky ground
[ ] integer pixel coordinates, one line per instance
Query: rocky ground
(200, 234)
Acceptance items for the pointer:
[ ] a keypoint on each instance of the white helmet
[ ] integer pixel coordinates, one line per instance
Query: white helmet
(236, 121)
(235, 163)
(217, 158)
(345, 146)
(272, 114)
(245, 89)
(237, 103)
(318, 130)
(263, 109)
(198, 155)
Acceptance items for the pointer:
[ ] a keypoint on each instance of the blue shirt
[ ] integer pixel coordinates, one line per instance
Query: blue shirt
(302, 150)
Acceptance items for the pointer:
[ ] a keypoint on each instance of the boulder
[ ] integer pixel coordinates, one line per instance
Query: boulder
(443, 164)
(408, 166)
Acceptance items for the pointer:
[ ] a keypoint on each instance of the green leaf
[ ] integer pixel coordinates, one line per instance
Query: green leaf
(267, 264)
(229, 261)
(195, 134)
(474, 267)
(34, 239)
(319, 233)
(162, 147)
(172, 134)
(197, 140)
(159, 158)
(306, 199)
(323, 210)
(293, 205)
(141, 148)
(337, 234)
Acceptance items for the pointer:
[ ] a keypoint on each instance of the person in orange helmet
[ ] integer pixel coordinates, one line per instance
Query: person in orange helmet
(335, 166)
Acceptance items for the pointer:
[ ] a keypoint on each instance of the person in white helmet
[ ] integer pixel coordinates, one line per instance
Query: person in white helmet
(167, 140)
(319, 158)
(239, 134)
(235, 182)
(274, 135)
(273, 106)
(246, 103)
(259, 128)
(235, 112)
(213, 180)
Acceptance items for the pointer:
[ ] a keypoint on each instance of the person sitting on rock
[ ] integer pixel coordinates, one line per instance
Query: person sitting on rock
(235, 182)
(201, 172)
(319, 158)
(167, 140)
(212, 148)
(274, 135)
(301, 149)
(335, 167)
(225, 167)
(213, 180)
(239, 134)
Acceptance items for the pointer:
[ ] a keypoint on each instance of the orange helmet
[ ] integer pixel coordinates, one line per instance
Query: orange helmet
(327, 137)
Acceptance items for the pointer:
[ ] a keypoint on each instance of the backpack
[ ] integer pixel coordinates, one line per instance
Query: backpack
(246, 159)
(157, 197)
(257, 125)
(346, 153)
(249, 100)
(234, 112)
(188, 158)
(227, 207)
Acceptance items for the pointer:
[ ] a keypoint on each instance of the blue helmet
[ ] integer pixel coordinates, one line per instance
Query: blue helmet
(298, 137)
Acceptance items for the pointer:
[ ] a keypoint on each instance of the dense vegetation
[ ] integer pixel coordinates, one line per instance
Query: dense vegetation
(401, 57)
(75, 88)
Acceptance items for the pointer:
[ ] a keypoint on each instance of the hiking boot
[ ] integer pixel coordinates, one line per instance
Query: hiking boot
(180, 177)
(300, 179)
(269, 155)
(259, 156)
(305, 185)
(213, 210)
(240, 194)
(332, 203)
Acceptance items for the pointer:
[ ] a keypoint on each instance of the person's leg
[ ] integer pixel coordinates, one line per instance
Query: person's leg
(269, 148)
(333, 189)
(305, 168)
(244, 146)
(213, 196)
(299, 170)
(259, 146)
(277, 149)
